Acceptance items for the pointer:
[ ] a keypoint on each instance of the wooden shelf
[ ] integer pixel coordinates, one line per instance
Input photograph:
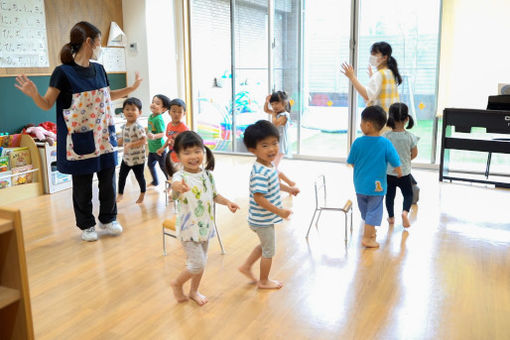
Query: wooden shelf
(5, 225)
(8, 296)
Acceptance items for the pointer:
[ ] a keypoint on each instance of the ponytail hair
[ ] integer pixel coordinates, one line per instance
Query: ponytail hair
(280, 96)
(399, 112)
(184, 140)
(385, 49)
(79, 34)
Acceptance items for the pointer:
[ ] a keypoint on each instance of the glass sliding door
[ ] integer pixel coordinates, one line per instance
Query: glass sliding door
(211, 71)
(411, 27)
(286, 61)
(325, 118)
(250, 46)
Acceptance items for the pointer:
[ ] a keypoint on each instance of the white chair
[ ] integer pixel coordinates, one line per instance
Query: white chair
(169, 229)
(321, 204)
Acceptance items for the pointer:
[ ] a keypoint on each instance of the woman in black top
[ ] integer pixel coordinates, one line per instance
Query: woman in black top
(86, 141)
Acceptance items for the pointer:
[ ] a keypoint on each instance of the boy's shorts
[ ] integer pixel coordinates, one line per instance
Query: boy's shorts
(267, 240)
(371, 208)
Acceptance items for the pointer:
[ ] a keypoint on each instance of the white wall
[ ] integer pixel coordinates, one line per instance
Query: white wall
(152, 25)
(475, 52)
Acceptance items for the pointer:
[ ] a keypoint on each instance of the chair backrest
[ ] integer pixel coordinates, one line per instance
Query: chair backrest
(320, 191)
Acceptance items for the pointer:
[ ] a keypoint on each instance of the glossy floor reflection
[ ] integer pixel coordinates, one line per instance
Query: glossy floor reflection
(447, 277)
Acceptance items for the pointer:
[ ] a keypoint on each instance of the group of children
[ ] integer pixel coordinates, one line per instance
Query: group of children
(134, 138)
(381, 160)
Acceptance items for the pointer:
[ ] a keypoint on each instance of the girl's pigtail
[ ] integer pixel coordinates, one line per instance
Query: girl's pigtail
(170, 171)
(391, 121)
(209, 159)
(410, 124)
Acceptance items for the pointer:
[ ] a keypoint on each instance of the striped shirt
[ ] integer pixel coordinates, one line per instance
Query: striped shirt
(264, 180)
(382, 89)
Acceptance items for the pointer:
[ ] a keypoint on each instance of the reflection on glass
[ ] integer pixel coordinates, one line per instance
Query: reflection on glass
(411, 27)
(251, 65)
(211, 65)
(324, 122)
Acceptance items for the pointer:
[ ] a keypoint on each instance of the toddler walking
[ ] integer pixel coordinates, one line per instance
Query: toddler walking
(406, 145)
(194, 189)
(266, 209)
(133, 139)
(155, 134)
(369, 156)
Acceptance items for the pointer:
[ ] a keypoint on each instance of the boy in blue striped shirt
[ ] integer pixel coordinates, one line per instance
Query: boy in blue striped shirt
(266, 209)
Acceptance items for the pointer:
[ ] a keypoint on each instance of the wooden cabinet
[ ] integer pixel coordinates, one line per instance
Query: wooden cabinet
(15, 310)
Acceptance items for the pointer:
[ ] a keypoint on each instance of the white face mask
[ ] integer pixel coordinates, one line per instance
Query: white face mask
(96, 53)
(374, 60)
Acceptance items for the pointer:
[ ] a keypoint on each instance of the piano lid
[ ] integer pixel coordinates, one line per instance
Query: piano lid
(494, 121)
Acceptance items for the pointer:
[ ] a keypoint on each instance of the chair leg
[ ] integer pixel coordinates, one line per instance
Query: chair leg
(351, 220)
(164, 242)
(219, 239)
(345, 229)
(311, 223)
(318, 218)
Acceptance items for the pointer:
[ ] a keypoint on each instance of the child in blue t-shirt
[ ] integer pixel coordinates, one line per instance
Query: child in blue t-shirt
(369, 156)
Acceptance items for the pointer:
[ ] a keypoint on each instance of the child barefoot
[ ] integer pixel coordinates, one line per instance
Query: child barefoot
(261, 139)
(369, 156)
(133, 139)
(194, 189)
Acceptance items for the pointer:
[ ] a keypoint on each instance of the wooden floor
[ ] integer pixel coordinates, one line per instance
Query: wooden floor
(448, 277)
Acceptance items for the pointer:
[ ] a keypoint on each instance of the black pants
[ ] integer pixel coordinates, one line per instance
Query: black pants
(82, 198)
(124, 171)
(151, 163)
(405, 185)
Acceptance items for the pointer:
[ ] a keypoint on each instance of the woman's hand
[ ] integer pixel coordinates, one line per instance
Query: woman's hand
(138, 81)
(26, 86)
(347, 70)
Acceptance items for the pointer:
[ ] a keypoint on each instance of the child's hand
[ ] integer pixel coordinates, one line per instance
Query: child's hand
(294, 191)
(284, 213)
(180, 187)
(267, 98)
(150, 135)
(160, 151)
(232, 206)
(171, 142)
(127, 146)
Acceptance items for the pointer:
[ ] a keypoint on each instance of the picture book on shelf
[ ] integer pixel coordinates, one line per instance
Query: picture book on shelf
(4, 164)
(19, 157)
(5, 179)
(19, 177)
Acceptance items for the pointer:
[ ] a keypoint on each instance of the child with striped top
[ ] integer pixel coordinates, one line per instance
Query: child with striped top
(266, 208)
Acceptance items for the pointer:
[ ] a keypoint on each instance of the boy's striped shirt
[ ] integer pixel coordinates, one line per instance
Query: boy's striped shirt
(264, 180)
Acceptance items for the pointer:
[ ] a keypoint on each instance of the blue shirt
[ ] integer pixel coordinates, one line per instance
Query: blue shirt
(264, 180)
(370, 156)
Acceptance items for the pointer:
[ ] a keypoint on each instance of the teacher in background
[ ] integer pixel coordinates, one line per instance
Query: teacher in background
(86, 140)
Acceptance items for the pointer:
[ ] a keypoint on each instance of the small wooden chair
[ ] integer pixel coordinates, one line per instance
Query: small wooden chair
(321, 204)
(169, 229)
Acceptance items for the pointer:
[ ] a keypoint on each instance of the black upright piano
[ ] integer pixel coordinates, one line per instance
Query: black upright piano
(495, 120)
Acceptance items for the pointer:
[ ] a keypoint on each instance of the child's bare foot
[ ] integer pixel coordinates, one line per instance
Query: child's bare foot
(405, 220)
(119, 197)
(140, 198)
(178, 292)
(198, 298)
(269, 284)
(391, 220)
(248, 273)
